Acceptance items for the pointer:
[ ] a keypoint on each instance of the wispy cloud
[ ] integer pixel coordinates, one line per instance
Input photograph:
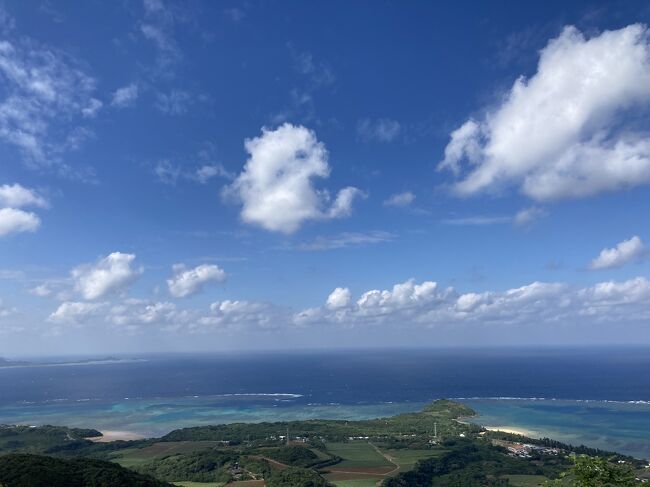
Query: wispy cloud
(478, 220)
(345, 240)
(529, 216)
(315, 75)
(176, 102)
(318, 73)
(400, 199)
(158, 28)
(378, 130)
(45, 97)
(125, 96)
(235, 14)
(523, 218)
(169, 173)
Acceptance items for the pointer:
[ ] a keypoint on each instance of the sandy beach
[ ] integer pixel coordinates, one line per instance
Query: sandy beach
(113, 435)
(513, 430)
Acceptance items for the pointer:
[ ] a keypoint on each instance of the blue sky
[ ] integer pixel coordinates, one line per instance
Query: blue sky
(222, 175)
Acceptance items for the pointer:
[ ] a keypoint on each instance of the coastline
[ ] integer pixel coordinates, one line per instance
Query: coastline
(113, 435)
(138, 418)
(515, 430)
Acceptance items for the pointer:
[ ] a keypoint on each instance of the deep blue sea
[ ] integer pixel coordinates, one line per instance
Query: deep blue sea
(599, 397)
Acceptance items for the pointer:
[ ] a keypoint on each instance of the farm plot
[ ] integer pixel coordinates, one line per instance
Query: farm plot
(359, 456)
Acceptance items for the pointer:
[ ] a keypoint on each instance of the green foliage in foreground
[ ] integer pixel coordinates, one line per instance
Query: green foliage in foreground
(597, 472)
(60, 441)
(201, 466)
(25, 470)
(295, 477)
(467, 464)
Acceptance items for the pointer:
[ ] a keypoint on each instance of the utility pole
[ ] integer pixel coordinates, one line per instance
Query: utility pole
(435, 430)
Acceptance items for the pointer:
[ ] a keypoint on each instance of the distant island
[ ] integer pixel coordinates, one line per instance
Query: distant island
(7, 363)
(435, 446)
(11, 363)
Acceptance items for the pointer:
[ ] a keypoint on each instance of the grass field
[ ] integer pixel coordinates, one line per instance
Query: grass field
(243, 483)
(526, 480)
(406, 459)
(321, 455)
(357, 454)
(134, 456)
(199, 484)
(355, 483)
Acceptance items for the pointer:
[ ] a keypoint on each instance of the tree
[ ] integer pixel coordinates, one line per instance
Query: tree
(597, 472)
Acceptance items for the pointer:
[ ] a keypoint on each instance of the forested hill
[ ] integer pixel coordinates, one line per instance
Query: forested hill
(43, 439)
(25, 470)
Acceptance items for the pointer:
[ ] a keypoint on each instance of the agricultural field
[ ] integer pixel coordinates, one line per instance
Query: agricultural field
(353, 479)
(406, 459)
(199, 484)
(526, 480)
(355, 483)
(359, 455)
(361, 466)
(132, 457)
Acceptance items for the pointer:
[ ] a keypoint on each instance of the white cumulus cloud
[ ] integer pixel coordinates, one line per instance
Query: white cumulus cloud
(339, 298)
(72, 312)
(563, 133)
(276, 186)
(17, 221)
(399, 304)
(626, 251)
(609, 293)
(186, 282)
(242, 315)
(17, 196)
(13, 219)
(109, 274)
(412, 304)
(133, 314)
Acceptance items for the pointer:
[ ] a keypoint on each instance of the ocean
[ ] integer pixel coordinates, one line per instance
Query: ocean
(598, 397)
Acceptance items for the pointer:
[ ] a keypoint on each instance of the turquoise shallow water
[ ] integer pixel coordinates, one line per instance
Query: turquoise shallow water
(156, 417)
(619, 426)
(610, 425)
